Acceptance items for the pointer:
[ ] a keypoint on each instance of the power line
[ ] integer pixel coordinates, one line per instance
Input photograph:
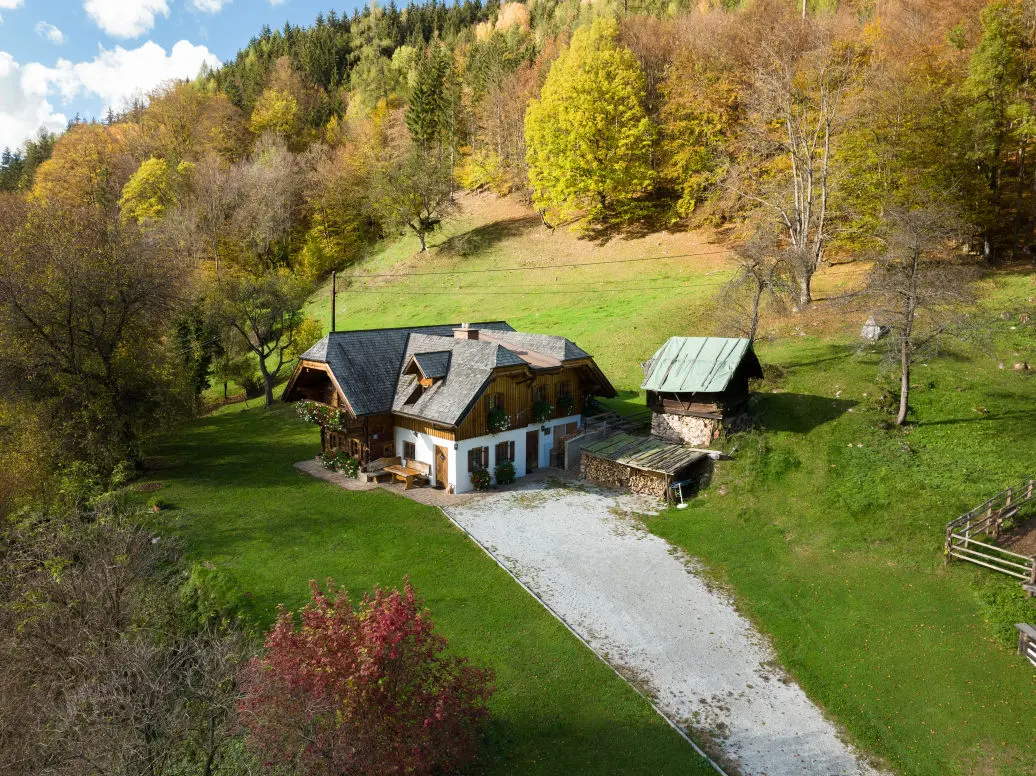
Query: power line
(519, 290)
(535, 266)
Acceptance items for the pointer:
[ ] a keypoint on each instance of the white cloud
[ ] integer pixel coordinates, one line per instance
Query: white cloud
(10, 4)
(209, 6)
(114, 76)
(125, 18)
(23, 110)
(50, 32)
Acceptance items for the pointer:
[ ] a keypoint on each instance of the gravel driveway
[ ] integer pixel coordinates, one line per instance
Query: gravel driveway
(638, 602)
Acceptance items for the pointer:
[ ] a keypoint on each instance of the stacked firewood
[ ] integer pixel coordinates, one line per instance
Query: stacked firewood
(620, 477)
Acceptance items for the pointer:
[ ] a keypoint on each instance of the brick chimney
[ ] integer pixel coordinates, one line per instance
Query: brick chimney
(466, 332)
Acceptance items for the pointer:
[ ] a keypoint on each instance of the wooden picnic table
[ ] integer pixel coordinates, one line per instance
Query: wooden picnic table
(404, 474)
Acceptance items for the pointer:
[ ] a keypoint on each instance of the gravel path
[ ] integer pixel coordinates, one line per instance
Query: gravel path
(638, 602)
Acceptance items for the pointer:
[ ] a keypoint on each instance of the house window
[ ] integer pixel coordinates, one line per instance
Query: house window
(562, 390)
(495, 401)
(409, 451)
(354, 448)
(505, 452)
(540, 394)
(478, 458)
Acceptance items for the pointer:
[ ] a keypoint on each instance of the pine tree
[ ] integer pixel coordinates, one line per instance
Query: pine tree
(588, 135)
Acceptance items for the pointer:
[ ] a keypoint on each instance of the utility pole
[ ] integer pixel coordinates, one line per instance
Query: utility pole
(334, 287)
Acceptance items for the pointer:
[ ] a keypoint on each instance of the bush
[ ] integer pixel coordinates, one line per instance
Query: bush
(541, 411)
(480, 479)
(566, 404)
(245, 373)
(504, 473)
(498, 421)
(366, 690)
(210, 599)
(350, 467)
(156, 504)
(309, 334)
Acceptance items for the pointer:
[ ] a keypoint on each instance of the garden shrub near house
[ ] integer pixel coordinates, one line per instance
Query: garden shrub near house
(314, 412)
(340, 461)
(566, 405)
(481, 479)
(504, 473)
(541, 411)
(365, 690)
(498, 421)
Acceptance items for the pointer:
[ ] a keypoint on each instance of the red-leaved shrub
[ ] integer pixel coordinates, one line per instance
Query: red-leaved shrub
(364, 690)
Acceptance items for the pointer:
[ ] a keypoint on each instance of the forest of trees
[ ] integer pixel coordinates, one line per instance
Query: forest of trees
(170, 248)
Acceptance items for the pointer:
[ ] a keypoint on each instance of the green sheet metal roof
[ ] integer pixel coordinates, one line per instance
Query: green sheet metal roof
(695, 364)
(645, 453)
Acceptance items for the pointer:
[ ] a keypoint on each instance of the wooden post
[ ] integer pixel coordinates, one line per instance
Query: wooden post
(334, 284)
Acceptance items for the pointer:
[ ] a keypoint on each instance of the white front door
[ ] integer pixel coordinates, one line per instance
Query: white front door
(546, 443)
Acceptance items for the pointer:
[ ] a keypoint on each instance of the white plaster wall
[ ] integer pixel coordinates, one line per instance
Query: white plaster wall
(424, 444)
(461, 478)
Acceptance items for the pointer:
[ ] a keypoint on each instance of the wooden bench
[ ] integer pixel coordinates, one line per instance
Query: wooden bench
(410, 473)
(377, 469)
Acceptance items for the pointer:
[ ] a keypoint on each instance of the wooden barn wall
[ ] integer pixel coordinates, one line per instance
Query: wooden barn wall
(518, 396)
(315, 385)
(424, 428)
(369, 438)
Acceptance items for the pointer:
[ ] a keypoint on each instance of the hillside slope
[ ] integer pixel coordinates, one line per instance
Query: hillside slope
(496, 260)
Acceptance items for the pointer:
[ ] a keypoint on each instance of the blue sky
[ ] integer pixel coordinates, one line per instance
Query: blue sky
(60, 57)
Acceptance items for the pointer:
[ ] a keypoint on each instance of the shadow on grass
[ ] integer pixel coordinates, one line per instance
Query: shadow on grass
(480, 238)
(798, 413)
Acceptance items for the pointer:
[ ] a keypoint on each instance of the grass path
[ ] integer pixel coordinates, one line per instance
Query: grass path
(239, 503)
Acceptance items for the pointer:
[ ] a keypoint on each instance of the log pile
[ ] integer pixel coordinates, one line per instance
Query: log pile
(621, 477)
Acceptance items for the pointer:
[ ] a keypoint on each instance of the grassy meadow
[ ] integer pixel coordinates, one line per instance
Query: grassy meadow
(236, 501)
(827, 526)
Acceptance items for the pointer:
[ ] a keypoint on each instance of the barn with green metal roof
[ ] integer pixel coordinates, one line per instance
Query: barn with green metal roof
(696, 384)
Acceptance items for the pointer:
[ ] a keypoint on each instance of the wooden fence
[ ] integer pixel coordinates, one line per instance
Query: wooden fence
(1027, 642)
(986, 521)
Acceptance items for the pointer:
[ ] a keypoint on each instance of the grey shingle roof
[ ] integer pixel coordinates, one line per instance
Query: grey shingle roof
(548, 344)
(447, 401)
(367, 363)
(433, 365)
(369, 366)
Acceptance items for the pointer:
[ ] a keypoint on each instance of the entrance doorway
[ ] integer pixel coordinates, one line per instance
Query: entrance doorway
(442, 467)
(532, 451)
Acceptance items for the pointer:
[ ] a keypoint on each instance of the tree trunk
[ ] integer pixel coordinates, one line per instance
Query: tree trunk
(1018, 202)
(804, 292)
(424, 247)
(755, 311)
(904, 381)
(267, 381)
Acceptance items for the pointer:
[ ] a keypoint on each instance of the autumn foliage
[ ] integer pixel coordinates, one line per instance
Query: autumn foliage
(362, 690)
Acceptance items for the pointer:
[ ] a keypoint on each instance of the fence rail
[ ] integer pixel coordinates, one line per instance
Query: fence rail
(1027, 642)
(965, 534)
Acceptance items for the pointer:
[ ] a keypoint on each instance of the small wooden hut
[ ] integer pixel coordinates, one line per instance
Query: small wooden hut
(695, 385)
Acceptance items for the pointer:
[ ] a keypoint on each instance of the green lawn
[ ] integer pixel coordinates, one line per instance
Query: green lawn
(830, 533)
(827, 529)
(238, 502)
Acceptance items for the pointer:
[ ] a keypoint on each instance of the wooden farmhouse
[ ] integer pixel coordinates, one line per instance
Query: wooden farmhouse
(453, 398)
(695, 385)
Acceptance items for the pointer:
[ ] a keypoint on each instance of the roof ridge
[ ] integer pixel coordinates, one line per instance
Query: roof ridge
(408, 328)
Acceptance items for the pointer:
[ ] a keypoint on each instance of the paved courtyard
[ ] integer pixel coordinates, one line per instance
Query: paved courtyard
(641, 605)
